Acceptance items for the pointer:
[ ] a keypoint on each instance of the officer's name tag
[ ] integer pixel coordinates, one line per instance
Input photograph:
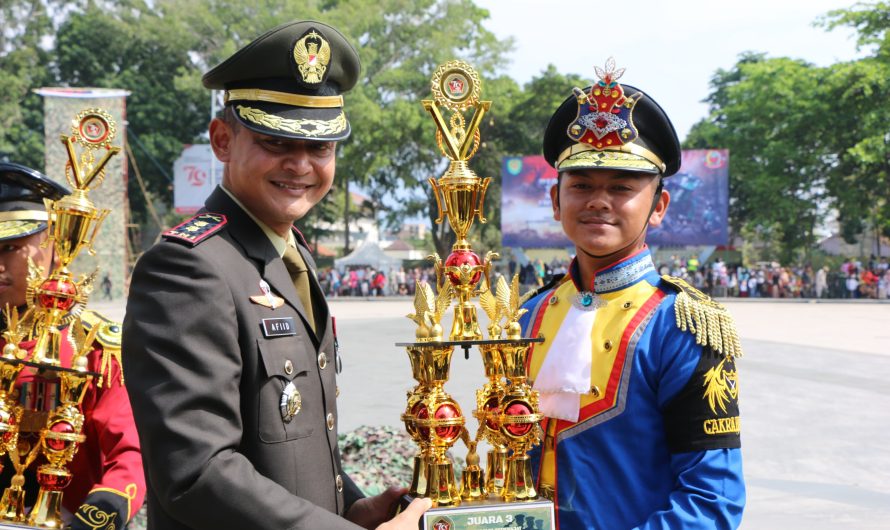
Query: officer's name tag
(279, 327)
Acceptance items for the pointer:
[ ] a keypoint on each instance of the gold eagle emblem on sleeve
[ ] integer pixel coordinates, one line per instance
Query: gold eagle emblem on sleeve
(721, 386)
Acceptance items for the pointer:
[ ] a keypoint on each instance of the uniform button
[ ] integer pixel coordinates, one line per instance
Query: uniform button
(595, 390)
(322, 360)
(330, 421)
(554, 300)
(288, 367)
(627, 305)
(607, 345)
(339, 483)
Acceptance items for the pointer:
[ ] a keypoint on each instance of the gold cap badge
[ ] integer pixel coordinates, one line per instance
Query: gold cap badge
(312, 54)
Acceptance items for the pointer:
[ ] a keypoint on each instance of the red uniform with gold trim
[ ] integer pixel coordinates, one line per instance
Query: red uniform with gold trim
(656, 441)
(108, 485)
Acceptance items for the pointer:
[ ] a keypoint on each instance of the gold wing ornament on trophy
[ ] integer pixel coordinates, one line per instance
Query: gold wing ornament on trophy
(489, 304)
(443, 302)
(509, 305)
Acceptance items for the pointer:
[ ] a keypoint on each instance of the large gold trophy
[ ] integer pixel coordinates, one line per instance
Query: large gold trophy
(54, 302)
(504, 494)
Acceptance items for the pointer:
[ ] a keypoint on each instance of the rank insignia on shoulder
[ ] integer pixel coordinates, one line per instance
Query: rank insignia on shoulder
(197, 229)
(708, 320)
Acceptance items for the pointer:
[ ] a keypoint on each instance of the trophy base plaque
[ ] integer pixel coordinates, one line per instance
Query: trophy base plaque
(489, 515)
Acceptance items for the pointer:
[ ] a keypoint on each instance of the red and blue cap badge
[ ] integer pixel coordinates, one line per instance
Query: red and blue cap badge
(605, 113)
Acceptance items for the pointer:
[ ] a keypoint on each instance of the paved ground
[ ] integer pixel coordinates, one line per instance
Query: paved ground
(815, 402)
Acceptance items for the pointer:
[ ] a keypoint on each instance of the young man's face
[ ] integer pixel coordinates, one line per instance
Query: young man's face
(277, 179)
(14, 254)
(606, 211)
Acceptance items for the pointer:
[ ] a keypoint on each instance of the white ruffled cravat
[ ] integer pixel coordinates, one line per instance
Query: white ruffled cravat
(565, 374)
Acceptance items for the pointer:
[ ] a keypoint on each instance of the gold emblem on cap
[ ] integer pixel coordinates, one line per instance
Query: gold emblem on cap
(312, 57)
(456, 86)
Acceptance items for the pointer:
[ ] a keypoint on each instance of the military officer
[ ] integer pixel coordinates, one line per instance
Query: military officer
(108, 482)
(636, 375)
(233, 361)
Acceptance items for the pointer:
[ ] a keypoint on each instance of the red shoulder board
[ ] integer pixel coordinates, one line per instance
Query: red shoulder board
(197, 229)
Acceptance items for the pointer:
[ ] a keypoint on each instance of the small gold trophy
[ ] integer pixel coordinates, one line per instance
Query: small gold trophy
(55, 302)
(506, 406)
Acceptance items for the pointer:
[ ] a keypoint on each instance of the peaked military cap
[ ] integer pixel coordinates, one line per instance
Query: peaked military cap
(22, 190)
(609, 125)
(289, 81)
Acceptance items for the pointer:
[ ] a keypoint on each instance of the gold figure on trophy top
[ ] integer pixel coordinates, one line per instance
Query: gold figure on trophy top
(456, 87)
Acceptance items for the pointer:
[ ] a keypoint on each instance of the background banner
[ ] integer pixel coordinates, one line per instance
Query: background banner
(699, 209)
(697, 214)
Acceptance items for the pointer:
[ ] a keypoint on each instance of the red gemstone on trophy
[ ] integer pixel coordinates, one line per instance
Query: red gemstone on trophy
(61, 427)
(447, 411)
(460, 258)
(491, 411)
(57, 294)
(419, 411)
(518, 408)
(52, 481)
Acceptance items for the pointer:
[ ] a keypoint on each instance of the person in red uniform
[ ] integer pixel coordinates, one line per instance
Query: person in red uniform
(108, 483)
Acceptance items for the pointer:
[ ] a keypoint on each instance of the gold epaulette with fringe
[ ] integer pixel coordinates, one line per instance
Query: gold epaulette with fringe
(109, 337)
(708, 320)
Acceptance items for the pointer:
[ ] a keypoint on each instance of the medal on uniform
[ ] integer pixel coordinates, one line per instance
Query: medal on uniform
(290, 403)
(267, 299)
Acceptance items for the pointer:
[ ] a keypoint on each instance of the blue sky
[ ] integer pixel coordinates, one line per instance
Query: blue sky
(670, 49)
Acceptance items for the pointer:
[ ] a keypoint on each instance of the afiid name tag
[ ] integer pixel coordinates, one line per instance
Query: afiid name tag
(279, 327)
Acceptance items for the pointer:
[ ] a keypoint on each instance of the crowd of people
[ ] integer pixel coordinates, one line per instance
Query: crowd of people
(852, 279)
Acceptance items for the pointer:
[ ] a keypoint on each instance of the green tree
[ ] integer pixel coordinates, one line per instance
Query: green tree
(766, 112)
(860, 179)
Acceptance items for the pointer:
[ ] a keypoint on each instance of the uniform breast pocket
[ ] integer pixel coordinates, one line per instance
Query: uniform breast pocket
(286, 385)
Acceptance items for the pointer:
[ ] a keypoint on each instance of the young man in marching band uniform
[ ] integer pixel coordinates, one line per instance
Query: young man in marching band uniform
(637, 372)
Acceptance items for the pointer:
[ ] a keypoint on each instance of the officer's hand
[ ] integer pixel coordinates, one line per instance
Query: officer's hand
(370, 512)
(408, 519)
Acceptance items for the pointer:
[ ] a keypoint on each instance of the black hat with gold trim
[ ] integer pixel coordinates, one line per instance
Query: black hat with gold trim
(289, 82)
(22, 190)
(610, 126)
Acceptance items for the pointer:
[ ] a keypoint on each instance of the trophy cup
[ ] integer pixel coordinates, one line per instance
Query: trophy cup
(506, 406)
(54, 302)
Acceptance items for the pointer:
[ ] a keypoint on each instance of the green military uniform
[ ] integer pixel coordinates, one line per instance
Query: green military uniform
(231, 376)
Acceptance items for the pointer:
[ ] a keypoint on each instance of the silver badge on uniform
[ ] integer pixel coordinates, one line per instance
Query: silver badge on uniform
(291, 402)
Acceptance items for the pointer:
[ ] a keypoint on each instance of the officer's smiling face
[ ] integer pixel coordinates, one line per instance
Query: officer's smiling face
(605, 210)
(277, 179)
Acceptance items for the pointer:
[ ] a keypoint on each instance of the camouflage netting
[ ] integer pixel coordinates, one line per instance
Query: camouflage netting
(378, 457)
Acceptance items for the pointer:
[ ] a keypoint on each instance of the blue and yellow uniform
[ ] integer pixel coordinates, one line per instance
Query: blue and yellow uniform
(656, 442)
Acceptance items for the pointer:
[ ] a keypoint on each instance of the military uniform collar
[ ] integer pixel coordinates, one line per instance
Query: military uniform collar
(619, 275)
